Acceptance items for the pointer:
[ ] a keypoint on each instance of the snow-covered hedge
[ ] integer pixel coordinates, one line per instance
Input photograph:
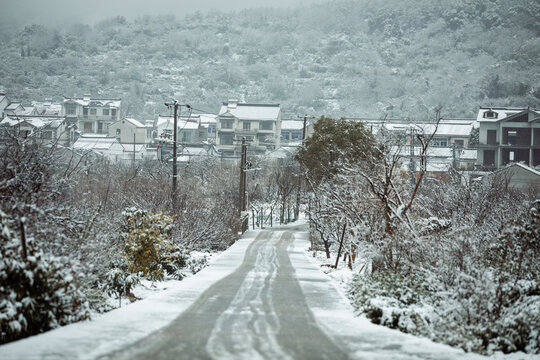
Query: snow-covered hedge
(487, 301)
(38, 292)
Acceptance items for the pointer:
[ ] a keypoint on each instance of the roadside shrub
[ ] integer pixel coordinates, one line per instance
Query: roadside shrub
(38, 292)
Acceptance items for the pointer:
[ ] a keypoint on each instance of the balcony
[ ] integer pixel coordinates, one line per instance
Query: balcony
(246, 132)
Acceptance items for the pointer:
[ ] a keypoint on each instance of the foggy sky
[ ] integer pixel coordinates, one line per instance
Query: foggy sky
(91, 11)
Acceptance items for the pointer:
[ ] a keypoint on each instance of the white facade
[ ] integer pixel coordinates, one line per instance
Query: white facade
(260, 124)
(508, 135)
(129, 131)
(45, 129)
(91, 116)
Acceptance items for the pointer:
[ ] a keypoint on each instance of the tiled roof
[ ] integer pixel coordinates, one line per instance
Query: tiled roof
(251, 111)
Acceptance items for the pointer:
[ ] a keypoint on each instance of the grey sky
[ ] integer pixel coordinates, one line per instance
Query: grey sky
(90, 11)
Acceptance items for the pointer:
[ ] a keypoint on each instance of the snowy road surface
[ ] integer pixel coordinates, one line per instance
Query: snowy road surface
(272, 303)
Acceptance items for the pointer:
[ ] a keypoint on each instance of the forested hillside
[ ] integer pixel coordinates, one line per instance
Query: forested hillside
(342, 58)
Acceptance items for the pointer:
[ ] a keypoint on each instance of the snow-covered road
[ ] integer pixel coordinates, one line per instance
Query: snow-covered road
(261, 299)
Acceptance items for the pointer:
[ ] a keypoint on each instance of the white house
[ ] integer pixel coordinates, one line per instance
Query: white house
(189, 130)
(4, 102)
(46, 129)
(109, 147)
(129, 131)
(519, 176)
(91, 116)
(260, 124)
(291, 131)
(508, 135)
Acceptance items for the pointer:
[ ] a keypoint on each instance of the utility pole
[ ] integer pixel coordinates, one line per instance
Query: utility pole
(174, 166)
(297, 210)
(242, 189)
(134, 150)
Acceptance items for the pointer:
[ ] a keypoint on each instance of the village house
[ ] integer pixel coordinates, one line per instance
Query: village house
(259, 124)
(130, 131)
(209, 122)
(518, 176)
(44, 129)
(4, 102)
(110, 148)
(91, 116)
(508, 135)
(291, 132)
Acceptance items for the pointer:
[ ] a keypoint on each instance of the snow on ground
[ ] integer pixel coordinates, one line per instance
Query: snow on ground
(325, 297)
(336, 317)
(118, 328)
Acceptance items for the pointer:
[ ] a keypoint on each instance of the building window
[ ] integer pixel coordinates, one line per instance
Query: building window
(87, 127)
(512, 135)
(186, 137)
(100, 127)
(266, 125)
(489, 158)
(211, 128)
(492, 137)
(113, 113)
(46, 135)
(226, 139)
(226, 124)
(439, 142)
(490, 115)
(85, 112)
(296, 136)
(118, 132)
(459, 143)
(93, 112)
(71, 109)
(246, 125)
(105, 112)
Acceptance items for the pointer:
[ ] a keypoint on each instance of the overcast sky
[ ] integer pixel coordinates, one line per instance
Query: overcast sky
(90, 11)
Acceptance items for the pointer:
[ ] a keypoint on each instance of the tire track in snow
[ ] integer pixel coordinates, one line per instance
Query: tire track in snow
(257, 312)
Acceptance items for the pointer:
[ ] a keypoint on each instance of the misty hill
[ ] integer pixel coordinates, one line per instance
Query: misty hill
(342, 58)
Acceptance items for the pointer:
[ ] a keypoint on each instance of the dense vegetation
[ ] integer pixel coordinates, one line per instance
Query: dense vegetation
(343, 58)
(74, 229)
(452, 259)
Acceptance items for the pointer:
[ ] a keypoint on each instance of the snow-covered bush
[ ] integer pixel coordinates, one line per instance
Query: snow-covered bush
(148, 247)
(38, 292)
(394, 299)
(119, 281)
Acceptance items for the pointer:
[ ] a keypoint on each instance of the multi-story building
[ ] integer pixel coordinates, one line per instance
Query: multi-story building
(260, 124)
(508, 135)
(91, 116)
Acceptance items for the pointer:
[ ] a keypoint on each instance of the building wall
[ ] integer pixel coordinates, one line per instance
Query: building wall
(124, 131)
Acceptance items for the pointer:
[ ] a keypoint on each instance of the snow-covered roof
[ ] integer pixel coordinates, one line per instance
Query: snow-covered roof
(13, 106)
(439, 152)
(27, 111)
(95, 102)
(282, 152)
(45, 108)
(193, 151)
(251, 111)
(500, 113)
(292, 125)
(134, 122)
(34, 121)
(129, 147)
(454, 128)
(208, 118)
(182, 124)
(94, 143)
(522, 166)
